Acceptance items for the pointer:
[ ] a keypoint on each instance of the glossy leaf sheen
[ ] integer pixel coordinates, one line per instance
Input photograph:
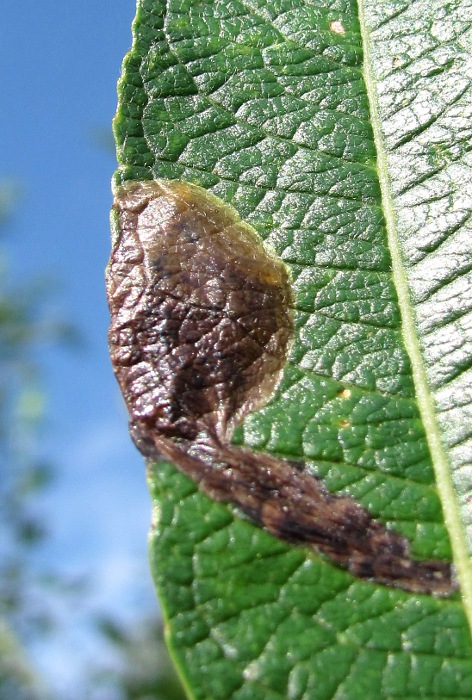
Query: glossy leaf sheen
(266, 105)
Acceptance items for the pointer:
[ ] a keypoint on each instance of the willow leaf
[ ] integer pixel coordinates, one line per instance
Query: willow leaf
(341, 133)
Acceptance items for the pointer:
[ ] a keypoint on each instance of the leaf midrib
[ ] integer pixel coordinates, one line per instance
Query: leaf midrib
(424, 395)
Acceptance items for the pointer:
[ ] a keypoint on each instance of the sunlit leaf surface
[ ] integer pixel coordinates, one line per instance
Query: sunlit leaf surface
(341, 133)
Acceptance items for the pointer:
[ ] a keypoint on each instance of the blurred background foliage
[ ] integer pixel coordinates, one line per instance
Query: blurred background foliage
(142, 669)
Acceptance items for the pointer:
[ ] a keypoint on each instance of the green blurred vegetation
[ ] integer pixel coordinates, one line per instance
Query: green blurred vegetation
(25, 610)
(144, 670)
(27, 595)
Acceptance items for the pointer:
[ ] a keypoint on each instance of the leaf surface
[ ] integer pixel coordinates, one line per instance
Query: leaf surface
(340, 133)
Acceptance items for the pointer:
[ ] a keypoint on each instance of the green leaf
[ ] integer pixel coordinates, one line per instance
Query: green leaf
(341, 134)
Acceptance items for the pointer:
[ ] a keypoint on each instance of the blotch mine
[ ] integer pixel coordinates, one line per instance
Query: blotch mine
(201, 324)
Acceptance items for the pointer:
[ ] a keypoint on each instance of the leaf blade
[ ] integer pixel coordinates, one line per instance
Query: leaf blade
(316, 200)
(422, 292)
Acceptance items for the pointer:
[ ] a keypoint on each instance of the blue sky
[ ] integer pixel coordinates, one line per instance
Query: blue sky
(60, 64)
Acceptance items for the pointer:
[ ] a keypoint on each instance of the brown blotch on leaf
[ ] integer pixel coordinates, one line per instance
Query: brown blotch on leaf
(200, 327)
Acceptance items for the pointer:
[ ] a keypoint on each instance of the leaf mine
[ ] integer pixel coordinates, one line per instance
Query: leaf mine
(201, 323)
